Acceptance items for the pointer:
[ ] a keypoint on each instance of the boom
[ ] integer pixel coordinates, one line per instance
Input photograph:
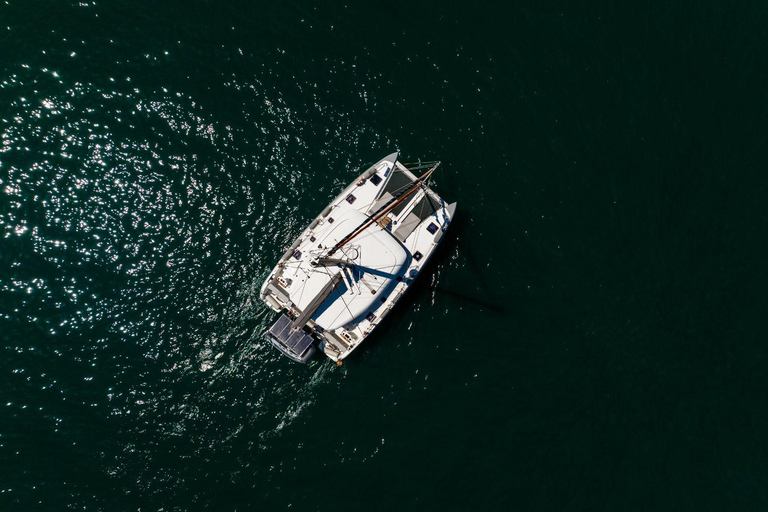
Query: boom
(391, 205)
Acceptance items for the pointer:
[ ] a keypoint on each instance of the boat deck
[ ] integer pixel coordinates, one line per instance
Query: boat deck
(342, 296)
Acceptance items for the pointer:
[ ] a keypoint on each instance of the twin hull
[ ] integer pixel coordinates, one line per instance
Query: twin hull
(338, 301)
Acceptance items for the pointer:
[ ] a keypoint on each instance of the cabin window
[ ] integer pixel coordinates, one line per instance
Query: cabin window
(370, 317)
(297, 255)
(330, 220)
(432, 228)
(376, 179)
(351, 199)
(417, 255)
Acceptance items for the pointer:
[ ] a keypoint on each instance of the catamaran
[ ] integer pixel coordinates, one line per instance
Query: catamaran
(351, 265)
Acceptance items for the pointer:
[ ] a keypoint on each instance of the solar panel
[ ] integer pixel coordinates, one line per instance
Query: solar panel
(280, 327)
(295, 341)
(299, 341)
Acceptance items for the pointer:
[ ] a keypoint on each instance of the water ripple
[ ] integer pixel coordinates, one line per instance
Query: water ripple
(138, 226)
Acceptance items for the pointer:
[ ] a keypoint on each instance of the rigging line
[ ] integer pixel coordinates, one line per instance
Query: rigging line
(429, 178)
(425, 199)
(341, 297)
(416, 240)
(394, 169)
(367, 284)
(368, 267)
(428, 198)
(418, 165)
(303, 288)
(398, 190)
(391, 205)
(393, 192)
(316, 271)
(403, 187)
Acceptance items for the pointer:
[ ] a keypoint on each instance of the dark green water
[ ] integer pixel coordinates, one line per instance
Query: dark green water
(589, 337)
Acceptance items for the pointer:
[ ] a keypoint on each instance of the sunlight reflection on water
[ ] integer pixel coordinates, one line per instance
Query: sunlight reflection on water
(143, 226)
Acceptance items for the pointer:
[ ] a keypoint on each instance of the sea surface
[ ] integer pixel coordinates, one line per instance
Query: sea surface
(590, 336)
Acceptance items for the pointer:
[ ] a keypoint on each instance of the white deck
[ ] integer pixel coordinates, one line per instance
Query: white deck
(382, 263)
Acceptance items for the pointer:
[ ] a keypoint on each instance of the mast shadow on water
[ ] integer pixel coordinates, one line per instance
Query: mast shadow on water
(423, 285)
(451, 244)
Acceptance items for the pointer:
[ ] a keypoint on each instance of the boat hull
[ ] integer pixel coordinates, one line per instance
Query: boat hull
(338, 301)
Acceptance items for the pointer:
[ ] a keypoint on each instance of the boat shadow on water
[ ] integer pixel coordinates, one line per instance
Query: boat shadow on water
(423, 285)
(451, 244)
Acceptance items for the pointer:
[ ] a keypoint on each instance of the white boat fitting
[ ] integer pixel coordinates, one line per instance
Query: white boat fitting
(349, 267)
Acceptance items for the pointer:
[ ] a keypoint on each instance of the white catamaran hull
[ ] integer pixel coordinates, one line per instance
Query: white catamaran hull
(352, 264)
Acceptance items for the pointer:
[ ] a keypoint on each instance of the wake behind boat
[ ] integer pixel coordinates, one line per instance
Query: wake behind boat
(350, 266)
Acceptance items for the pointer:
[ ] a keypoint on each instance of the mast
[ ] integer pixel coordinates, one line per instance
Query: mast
(391, 205)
